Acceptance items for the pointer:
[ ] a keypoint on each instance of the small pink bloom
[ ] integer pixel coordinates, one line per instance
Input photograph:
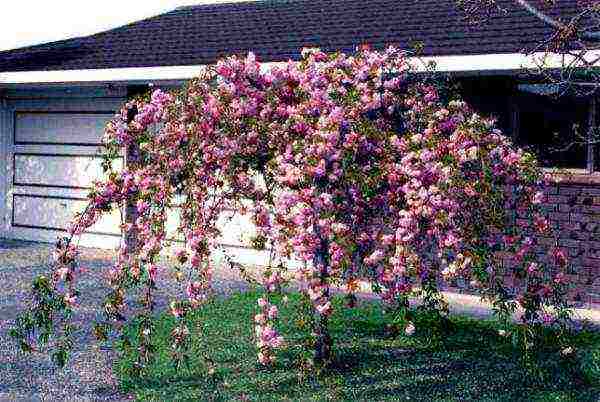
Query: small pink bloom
(410, 329)
(70, 299)
(263, 358)
(324, 309)
(532, 267)
(538, 197)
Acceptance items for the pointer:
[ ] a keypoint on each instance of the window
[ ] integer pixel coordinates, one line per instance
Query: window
(554, 128)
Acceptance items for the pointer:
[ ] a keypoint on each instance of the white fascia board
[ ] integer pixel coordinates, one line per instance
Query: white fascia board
(503, 61)
(132, 74)
(465, 63)
(106, 75)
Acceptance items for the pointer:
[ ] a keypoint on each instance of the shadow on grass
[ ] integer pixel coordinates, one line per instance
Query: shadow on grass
(468, 374)
(469, 364)
(385, 374)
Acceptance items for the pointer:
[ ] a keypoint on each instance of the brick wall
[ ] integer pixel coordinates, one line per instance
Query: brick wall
(573, 205)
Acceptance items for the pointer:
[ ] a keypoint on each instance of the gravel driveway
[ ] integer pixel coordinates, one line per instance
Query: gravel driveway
(88, 376)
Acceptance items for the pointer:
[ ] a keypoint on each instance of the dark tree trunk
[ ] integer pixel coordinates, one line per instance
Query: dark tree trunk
(131, 214)
(323, 342)
(132, 155)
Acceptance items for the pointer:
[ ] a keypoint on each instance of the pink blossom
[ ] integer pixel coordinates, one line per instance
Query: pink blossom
(410, 329)
(324, 309)
(260, 318)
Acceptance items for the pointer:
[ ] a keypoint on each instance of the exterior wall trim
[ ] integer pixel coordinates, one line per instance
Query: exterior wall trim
(6, 139)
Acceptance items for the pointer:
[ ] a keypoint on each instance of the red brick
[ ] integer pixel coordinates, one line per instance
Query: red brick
(546, 241)
(580, 235)
(559, 216)
(566, 208)
(578, 218)
(567, 225)
(574, 210)
(594, 253)
(591, 209)
(593, 262)
(549, 207)
(593, 190)
(556, 199)
(569, 190)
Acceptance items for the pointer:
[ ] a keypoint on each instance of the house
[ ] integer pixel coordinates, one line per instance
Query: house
(56, 98)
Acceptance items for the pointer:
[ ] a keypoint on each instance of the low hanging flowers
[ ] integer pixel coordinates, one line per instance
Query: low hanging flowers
(267, 337)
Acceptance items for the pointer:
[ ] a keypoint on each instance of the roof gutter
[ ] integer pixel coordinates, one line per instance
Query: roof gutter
(500, 63)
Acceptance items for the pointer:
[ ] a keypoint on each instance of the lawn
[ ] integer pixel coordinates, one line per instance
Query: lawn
(469, 363)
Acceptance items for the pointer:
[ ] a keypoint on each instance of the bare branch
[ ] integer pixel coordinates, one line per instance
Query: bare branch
(569, 29)
(540, 15)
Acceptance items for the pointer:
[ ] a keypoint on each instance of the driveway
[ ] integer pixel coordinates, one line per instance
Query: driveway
(87, 376)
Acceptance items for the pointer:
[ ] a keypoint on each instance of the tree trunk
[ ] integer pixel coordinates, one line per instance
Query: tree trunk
(131, 214)
(131, 159)
(323, 342)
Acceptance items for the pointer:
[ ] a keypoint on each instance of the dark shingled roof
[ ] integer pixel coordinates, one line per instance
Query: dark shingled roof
(277, 30)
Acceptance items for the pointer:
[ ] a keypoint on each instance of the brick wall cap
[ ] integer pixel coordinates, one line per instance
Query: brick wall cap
(573, 176)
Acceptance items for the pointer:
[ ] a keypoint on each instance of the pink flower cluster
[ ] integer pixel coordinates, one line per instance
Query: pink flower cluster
(267, 338)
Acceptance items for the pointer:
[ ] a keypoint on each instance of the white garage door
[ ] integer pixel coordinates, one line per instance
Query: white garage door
(52, 156)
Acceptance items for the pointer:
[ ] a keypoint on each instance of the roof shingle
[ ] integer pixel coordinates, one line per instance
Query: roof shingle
(277, 30)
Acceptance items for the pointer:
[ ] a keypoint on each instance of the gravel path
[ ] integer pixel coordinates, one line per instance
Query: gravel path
(88, 376)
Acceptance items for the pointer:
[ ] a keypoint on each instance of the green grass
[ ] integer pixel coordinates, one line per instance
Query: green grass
(470, 363)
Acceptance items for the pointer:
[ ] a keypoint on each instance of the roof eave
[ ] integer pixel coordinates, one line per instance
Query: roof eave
(482, 64)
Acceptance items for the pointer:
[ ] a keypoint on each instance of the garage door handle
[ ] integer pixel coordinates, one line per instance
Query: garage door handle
(63, 204)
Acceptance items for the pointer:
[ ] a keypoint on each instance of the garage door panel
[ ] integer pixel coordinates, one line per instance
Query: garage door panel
(67, 104)
(82, 150)
(60, 128)
(56, 213)
(172, 224)
(236, 231)
(74, 171)
(54, 144)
